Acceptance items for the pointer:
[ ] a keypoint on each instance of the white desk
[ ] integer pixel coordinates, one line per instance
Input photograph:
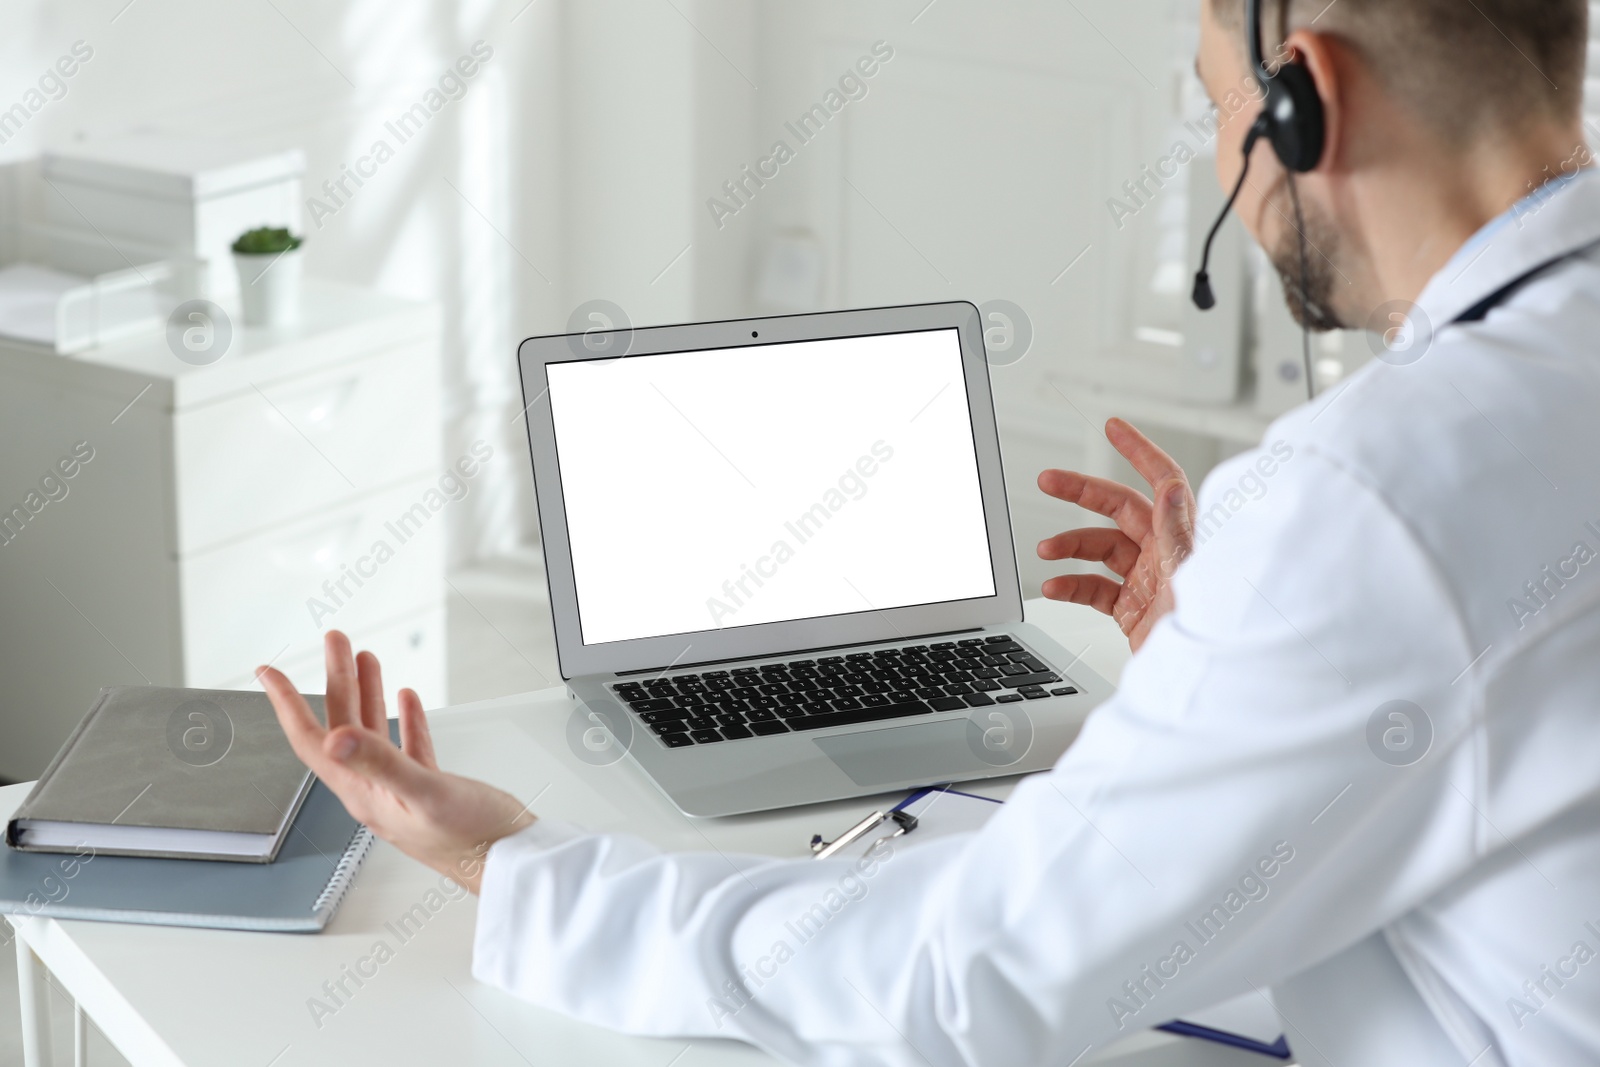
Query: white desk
(168, 996)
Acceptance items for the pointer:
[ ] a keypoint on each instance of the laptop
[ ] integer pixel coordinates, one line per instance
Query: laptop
(780, 559)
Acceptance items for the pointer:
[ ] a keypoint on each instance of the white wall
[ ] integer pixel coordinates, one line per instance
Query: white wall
(579, 164)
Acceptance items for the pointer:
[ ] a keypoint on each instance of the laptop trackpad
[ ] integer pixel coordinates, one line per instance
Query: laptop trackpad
(927, 752)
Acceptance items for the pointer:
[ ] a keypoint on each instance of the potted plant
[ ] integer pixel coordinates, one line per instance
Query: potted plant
(269, 276)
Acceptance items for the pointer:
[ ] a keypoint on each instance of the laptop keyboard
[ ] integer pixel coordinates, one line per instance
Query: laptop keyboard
(813, 694)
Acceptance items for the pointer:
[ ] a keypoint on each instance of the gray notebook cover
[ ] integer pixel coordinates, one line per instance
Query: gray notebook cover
(188, 759)
(297, 893)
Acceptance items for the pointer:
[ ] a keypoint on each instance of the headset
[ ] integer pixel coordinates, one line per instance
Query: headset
(1294, 123)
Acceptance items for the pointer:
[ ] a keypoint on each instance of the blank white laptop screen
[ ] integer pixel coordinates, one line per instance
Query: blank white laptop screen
(740, 486)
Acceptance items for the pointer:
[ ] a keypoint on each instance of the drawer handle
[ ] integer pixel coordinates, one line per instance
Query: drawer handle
(316, 408)
(316, 551)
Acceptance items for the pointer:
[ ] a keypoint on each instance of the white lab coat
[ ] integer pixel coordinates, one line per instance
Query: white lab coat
(1430, 534)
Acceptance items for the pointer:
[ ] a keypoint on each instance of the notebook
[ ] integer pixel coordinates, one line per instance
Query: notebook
(1250, 1022)
(182, 773)
(296, 893)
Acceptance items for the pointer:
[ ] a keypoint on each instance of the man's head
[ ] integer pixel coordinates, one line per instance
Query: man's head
(1440, 115)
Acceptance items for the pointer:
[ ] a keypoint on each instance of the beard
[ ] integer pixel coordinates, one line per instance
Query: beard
(1304, 260)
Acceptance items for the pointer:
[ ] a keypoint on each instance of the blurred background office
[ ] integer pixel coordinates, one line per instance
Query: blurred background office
(468, 174)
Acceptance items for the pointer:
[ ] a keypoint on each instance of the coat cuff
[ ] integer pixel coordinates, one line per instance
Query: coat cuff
(494, 940)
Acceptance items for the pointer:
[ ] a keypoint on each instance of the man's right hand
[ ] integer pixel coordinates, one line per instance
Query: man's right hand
(1149, 542)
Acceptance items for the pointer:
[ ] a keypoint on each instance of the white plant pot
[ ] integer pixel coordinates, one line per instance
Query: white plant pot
(269, 287)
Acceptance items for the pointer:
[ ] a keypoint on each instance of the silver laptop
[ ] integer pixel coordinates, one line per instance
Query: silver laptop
(780, 560)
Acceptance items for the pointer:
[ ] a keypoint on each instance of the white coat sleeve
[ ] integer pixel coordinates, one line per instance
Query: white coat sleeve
(1231, 817)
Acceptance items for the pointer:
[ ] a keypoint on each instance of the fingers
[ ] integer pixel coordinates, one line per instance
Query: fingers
(299, 724)
(1096, 544)
(369, 676)
(1174, 527)
(1093, 590)
(415, 740)
(1128, 508)
(1153, 465)
(343, 691)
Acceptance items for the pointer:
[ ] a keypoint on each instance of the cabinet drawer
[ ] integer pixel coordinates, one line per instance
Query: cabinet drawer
(294, 446)
(412, 650)
(252, 601)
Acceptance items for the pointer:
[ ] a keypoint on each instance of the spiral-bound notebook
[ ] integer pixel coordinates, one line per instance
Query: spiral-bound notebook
(296, 893)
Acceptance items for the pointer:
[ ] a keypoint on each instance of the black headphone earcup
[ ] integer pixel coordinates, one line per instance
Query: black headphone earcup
(1294, 109)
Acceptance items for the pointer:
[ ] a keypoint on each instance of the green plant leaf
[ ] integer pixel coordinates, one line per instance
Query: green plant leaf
(266, 241)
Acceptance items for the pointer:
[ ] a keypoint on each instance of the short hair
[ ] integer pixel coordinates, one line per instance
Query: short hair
(1463, 65)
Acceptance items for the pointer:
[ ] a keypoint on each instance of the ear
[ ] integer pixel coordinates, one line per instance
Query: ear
(1324, 59)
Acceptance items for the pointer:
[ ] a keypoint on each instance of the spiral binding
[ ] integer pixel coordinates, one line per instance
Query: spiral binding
(344, 873)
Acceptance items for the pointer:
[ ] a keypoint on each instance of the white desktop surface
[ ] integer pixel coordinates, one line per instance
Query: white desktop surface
(168, 996)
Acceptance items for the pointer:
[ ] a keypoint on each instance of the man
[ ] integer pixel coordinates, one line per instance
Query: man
(1354, 759)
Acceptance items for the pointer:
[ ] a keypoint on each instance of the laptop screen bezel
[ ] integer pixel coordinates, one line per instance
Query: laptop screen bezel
(577, 659)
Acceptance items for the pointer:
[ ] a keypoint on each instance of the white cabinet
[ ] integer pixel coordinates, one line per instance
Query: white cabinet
(228, 514)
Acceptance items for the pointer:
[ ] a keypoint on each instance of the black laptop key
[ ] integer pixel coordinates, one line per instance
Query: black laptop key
(736, 733)
(767, 729)
(958, 690)
(930, 692)
(730, 720)
(830, 659)
(969, 642)
(998, 639)
(948, 703)
(788, 711)
(706, 737)
(1014, 670)
(1018, 681)
(985, 685)
(999, 647)
(943, 645)
(1008, 698)
(677, 740)
(675, 715)
(845, 704)
(1033, 693)
(1064, 691)
(979, 700)
(850, 718)
(761, 715)
(654, 704)
(702, 722)
(859, 656)
(985, 672)
(874, 700)
(1029, 661)
(773, 689)
(671, 727)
